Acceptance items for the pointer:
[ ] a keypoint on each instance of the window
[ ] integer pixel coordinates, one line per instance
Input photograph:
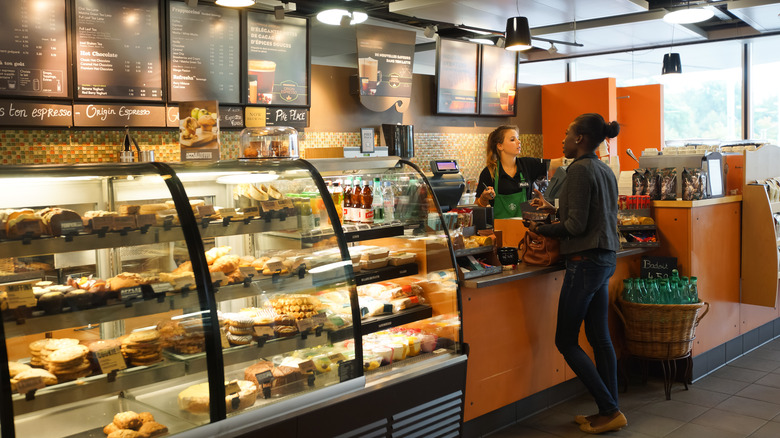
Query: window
(765, 90)
(542, 73)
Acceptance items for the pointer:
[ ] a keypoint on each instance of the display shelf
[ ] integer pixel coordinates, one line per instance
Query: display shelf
(481, 272)
(636, 227)
(263, 284)
(386, 273)
(93, 386)
(374, 233)
(473, 251)
(384, 322)
(640, 244)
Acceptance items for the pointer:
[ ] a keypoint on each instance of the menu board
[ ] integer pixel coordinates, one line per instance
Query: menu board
(456, 74)
(108, 115)
(385, 58)
(277, 60)
(499, 81)
(33, 50)
(118, 50)
(205, 51)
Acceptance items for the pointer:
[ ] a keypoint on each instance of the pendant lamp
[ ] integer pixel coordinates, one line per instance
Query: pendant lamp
(235, 3)
(672, 64)
(518, 34)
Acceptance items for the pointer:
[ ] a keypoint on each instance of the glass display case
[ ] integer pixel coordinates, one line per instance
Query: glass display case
(272, 284)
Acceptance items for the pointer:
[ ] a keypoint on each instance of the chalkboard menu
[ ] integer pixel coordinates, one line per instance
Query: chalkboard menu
(277, 60)
(457, 79)
(35, 114)
(33, 50)
(205, 49)
(107, 115)
(118, 49)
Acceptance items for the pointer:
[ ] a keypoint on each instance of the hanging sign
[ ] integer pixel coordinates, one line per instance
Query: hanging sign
(385, 60)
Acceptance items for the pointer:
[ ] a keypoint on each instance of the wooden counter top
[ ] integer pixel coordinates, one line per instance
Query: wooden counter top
(699, 203)
(525, 271)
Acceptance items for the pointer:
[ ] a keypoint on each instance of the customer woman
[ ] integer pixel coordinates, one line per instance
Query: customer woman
(507, 179)
(589, 240)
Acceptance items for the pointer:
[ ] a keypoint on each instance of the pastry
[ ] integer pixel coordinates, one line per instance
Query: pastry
(287, 380)
(225, 264)
(259, 264)
(195, 398)
(146, 417)
(258, 194)
(127, 420)
(239, 339)
(215, 253)
(152, 429)
(142, 348)
(285, 331)
(51, 302)
(24, 225)
(47, 377)
(54, 217)
(129, 209)
(152, 208)
(15, 368)
(78, 299)
(125, 433)
(110, 428)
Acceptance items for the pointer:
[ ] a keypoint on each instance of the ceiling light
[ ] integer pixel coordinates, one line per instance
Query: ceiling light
(518, 34)
(334, 16)
(552, 50)
(482, 41)
(688, 16)
(430, 31)
(672, 64)
(235, 3)
(500, 42)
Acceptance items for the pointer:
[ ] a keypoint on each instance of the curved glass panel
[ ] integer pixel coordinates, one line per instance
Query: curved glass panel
(89, 283)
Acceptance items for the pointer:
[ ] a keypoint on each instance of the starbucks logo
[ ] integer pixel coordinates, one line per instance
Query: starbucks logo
(288, 91)
(512, 206)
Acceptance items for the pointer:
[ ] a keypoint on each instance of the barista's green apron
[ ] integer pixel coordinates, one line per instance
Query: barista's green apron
(506, 206)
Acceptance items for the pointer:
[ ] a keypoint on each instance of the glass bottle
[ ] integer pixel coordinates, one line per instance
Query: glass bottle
(665, 292)
(641, 291)
(306, 215)
(378, 205)
(628, 290)
(654, 291)
(388, 196)
(347, 205)
(338, 199)
(366, 204)
(693, 292)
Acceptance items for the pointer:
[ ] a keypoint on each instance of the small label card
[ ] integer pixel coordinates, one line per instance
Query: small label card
(110, 359)
(264, 377)
(26, 385)
(124, 223)
(307, 366)
(263, 330)
(71, 227)
(232, 388)
(131, 293)
(305, 325)
(20, 293)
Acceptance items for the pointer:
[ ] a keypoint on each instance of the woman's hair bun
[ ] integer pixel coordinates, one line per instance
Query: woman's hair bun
(611, 129)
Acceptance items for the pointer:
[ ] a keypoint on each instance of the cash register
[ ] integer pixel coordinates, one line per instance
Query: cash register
(447, 183)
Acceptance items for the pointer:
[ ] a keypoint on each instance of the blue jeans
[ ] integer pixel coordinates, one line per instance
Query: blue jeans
(585, 297)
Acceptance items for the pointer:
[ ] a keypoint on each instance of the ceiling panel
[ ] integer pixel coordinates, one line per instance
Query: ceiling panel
(764, 18)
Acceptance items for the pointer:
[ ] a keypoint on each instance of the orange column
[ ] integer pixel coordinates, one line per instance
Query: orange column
(640, 112)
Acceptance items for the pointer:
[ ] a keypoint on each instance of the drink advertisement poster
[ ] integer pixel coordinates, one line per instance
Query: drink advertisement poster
(199, 130)
(385, 60)
(456, 77)
(499, 81)
(277, 60)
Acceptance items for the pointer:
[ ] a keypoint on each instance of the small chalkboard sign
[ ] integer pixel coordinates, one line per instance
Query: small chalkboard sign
(657, 267)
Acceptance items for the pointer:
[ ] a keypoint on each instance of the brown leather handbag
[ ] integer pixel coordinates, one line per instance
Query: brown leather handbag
(538, 250)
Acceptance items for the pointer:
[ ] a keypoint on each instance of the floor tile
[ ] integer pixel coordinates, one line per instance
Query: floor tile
(698, 396)
(755, 363)
(651, 425)
(747, 406)
(738, 373)
(558, 424)
(716, 384)
(674, 409)
(769, 430)
(729, 421)
(521, 431)
(765, 353)
(771, 379)
(699, 431)
(761, 392)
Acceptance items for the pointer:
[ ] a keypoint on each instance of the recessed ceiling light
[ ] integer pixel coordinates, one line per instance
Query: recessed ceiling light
(333, 16)
(235, 3)
(482, 41)
(688, 16)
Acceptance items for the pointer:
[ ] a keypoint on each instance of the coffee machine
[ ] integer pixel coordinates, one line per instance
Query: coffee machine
(399, 140)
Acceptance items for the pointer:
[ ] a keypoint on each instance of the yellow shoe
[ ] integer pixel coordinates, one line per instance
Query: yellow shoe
(581, 419)
(616, 423)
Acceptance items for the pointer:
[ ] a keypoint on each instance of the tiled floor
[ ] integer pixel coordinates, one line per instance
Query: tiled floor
(741, 399)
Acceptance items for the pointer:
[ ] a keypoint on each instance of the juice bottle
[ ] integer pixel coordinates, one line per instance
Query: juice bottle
(366, 204)
(338, 197)
(347, 201)
(378, 204)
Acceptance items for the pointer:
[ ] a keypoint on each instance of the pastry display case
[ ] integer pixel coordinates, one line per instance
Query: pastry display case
(141, 293)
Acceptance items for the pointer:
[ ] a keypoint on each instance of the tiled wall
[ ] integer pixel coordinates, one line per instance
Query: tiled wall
(82, 146)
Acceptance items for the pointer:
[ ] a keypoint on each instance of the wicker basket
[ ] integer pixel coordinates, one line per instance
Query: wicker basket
(660, 331)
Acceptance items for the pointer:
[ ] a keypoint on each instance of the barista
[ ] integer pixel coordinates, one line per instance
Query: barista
(507, 180)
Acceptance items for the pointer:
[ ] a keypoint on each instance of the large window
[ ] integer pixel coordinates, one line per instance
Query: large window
(542, 73)
(765, 90)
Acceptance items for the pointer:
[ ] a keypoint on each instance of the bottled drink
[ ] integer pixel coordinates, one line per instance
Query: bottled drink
(642, 293)
(388, 198)
(693, 292)
(653, 291)
(378, 204)
(366, 204)
(402, 199)
(306, 215)
(338, 198)
(665, 292)
(354, 213)
(347, 205)
(628, 290)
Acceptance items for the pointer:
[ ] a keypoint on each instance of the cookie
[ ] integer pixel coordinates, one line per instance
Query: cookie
(146, 417)
(240, 330)
(152, 429)
(125, 433)
(143, 336)
(15, 368)
(239, 339)
(68, 354)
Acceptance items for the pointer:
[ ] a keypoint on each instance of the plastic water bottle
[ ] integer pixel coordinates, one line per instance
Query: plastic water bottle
(388, 198)
(378, 204)
(693, 291)
(628, 290)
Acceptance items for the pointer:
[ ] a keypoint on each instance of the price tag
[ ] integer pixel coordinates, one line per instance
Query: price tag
(264, 377)
(143, 220)
(336, 357)
(320, 319)
(227, 212)
(124, 222)
(286, 203)
(220, 277)
(232, 388)
(346, 370)
(248, 271)
(110, 359)
(223, 338)
(251, 211)
(263, 330)
(70, 227)
(182, 282)
(206, 210)
(100, 223)
(20, 293)
(159, 288)
(307, 366)
(131, 293)
(269, 206)
(26, 385)
(305, 324)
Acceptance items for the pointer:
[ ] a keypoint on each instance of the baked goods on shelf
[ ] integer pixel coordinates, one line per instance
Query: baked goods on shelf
(129, 424)
(183, 337)
(297, 306)
(195, 399)
(34, 373)
(286, 380)
(69, 363)
(142, 347)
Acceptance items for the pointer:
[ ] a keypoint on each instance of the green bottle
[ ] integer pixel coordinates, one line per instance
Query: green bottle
(628, 290)
(693, 291)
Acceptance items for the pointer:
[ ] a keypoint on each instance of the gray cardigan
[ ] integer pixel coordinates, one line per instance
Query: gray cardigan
(587, 210)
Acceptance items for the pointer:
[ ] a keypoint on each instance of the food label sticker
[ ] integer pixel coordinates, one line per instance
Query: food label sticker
(251, 211)
(336, 357)
(263, 330)
(223, 338)
(181, 283)
(31, 226)
(248, 271)
(98, 223)
(123, 222)
(26, 385)
(69, 227)
(142, 220)
(110, 359)
(320, 319)
(161, 287)
(206, 210)
(131, 293)
(20, 293)
(227, 212)
(307, 366)
(219, 277)
(346, 370)
(264, 377)
(232, 388)
(286, 203)
(305, 325)
(440, 351)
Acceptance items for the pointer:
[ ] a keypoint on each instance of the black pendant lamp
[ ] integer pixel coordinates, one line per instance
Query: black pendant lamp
(518, 34)
(672, 64)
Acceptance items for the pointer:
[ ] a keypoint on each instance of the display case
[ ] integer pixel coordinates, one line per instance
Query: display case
(161, 288)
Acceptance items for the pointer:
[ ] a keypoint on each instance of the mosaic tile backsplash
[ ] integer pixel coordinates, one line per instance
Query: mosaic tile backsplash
(30, 146)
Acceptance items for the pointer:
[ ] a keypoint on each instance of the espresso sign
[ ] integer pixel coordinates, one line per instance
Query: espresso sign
(94, 115)
(33, 50)
(277, 62)
(456, 77)
(205, 53)
(15, 113)
(118, 49)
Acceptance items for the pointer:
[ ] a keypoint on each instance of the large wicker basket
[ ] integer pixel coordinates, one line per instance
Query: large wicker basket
(660, 331)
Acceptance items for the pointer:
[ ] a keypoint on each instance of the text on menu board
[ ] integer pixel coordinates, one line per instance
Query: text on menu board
(258, 117)
(14, 113)
(33, 51)
(93, 115)
(118, 49)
